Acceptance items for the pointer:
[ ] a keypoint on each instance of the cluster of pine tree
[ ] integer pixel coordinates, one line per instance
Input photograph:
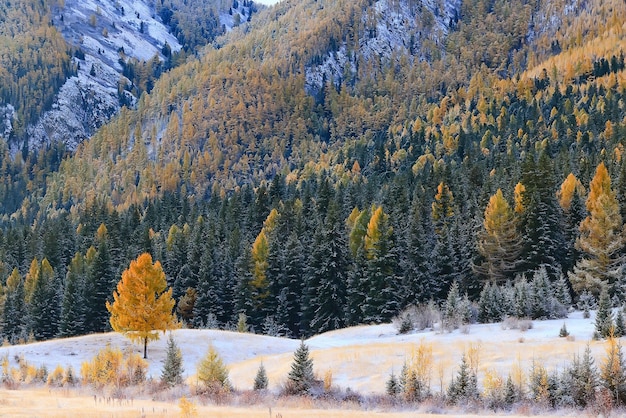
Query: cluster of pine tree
(580, 384)
(303, 258)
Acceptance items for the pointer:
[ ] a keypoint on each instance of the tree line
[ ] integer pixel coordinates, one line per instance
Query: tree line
(312, 256)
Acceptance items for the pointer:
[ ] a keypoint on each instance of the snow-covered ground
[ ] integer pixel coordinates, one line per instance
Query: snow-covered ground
(360, 358)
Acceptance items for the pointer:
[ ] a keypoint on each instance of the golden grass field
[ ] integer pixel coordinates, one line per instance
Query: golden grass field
(359, 358)
(63, 403)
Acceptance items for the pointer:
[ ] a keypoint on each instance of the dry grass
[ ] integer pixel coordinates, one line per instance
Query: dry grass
(64, 403)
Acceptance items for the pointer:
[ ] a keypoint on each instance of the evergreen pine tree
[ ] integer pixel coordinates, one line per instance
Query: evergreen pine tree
(260, 380)
(327, 275)
(392, 387)
(612, 372)
(604, 318)
(42, 322)
(618, 331)
(13, 309)
(584, 379)
(300, 379)
(451, 314)
(172, 373)
(542, 300)
(99, 285)
(73, 314)
(511, 394)
(419, 284)
(542, 217)
(464, 386)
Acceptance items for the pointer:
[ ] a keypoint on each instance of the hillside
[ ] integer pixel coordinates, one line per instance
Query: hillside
(361, 358)
(331, 164)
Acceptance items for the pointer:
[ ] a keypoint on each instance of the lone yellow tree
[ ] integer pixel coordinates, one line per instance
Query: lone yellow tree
(141, 305)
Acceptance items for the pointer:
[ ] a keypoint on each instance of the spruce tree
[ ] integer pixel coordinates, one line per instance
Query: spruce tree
(260, 380)
(464, 387)
(542, 217)
(73, 314)
(584, 379)
(172, 373)
(612, 372)
(327, 275)
(604, 318)
(300, 379)
(391, 386)
(13, 309)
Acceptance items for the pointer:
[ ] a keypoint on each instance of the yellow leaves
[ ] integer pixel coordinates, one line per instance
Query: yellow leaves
(600, 185)
(442, 207)
(493, 384)
(260, 252)
(378, 230)
(141, 304)
(498, 214)
(111, 367)
(570, 185)
(101, 233)
(14, 280)
(519, 194)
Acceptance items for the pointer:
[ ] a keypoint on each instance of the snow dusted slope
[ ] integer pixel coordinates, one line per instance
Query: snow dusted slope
(100, 28)
(361, 358)
(403, 26)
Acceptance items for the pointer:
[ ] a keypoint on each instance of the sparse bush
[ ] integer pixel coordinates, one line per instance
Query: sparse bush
(242, 323)
(109, 366)
(69, 379)
(419, 317)
(563, 332)
(188, 409)
(56, 377)
(328, 380)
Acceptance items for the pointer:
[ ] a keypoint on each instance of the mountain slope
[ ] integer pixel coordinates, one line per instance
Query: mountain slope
(255, 105)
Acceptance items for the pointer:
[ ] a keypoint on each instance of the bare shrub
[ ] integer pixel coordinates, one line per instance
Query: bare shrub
(417, 317)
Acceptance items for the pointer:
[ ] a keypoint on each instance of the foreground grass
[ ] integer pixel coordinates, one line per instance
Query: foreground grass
(57, 403)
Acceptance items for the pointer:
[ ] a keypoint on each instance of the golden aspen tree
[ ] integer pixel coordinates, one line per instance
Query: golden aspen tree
(142, 306)
(602, 238)
(499, 243)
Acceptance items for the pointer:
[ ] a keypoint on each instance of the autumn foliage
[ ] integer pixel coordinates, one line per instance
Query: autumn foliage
(141, 305)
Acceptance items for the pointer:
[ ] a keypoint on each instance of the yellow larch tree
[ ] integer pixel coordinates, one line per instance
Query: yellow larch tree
(141, 304)
(602, 238)
(570, 185)
(499, 243)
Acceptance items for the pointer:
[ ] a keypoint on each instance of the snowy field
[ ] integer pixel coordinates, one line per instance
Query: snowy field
(360, 358)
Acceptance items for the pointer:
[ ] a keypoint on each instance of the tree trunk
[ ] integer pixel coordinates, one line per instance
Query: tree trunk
(145, 347)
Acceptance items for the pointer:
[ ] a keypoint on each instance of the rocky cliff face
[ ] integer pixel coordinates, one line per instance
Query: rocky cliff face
(101, 30)
(418, 28)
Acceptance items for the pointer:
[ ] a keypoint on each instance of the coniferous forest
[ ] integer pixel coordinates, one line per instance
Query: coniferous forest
(313, 207)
